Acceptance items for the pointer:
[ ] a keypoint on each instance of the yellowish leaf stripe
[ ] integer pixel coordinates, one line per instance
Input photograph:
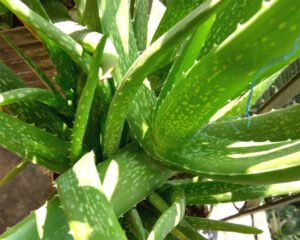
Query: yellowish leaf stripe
(41, 95)
(197, 192)
(39, 24)
(278, 125)
(33, 144)
(170, 217)
(89, 214)
(153, 56)
(85, 103)
(121, 175)
(227, 71)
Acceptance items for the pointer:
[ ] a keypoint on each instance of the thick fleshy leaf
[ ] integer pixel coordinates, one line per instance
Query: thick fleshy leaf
(176, 10)
(185, 60)
(33, 144)
(140, 22)
(120, 30)
(23, 94)
(154, 55)
(31, 111)
(85, 103)
(41, 25)
(238, 107)
(135, 224)
(170, 218)
(236, 161)
(213, 225)
(88, 14)
(228, 70)
(122, 177)
(67, 72)
(278, 125)
(197, 192)
(89, 214)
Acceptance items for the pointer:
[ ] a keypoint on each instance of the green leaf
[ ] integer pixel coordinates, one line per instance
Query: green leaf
(197, 192)
(154, 55)
(278, 125)
(85, 103)
(185, 60)
(140, 22)
(88, 14)
(67, 72)
(136, 225)
(88, 211)
(228, 70)
(41, 95)
(33, 144)
(176, 10)
(121, 175)
(213, 225)
(237, 107)
(39, 24)
(236, 161)
(170, 218)
(120, 30)
(31, 111)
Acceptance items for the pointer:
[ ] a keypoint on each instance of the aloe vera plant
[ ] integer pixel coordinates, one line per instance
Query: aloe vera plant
(116, 142)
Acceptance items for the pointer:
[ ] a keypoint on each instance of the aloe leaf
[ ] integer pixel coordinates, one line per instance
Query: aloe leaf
(170, 218)
(278, 125)
(31, 63)
(140, 22)
(67, 70)
(39, 24)
(220, 192)
(33, 144)
(87, 209)
(227, 71)
(236, 161)
(136, 225)
(85, 103)
(146, 63)
(88, 14)
(185, 60)
(31, 111)
(119, 30)
(121, 175)
(237, 107)
(41, 95)
(213, 225)
(176, 10)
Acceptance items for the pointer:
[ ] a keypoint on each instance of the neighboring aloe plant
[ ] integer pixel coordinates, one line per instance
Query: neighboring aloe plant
(106, 112)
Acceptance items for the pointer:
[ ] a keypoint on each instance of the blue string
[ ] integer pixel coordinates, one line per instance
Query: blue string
(265, 68)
